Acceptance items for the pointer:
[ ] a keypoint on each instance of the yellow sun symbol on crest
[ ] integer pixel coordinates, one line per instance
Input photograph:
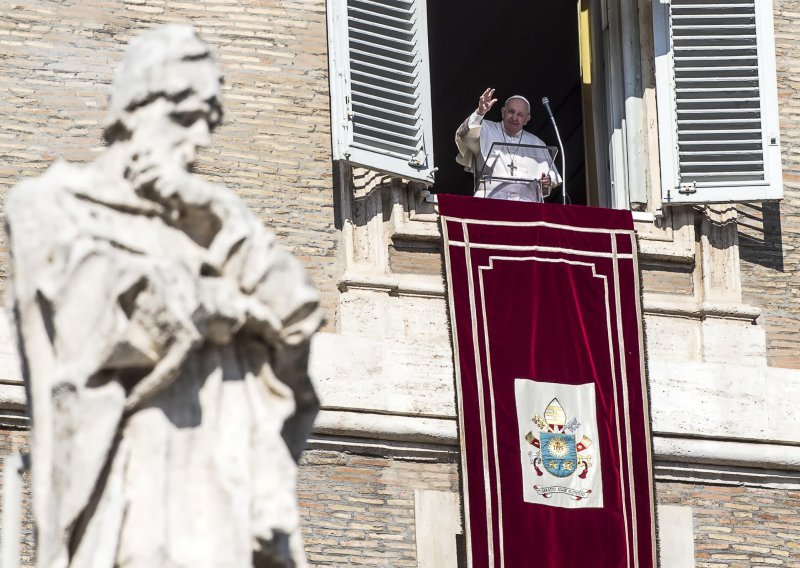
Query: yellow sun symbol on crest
(557, 447)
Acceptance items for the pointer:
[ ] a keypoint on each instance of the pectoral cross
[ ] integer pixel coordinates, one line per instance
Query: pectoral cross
(512, 167)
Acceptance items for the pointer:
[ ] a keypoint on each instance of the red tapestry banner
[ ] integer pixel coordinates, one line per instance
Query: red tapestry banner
(552, 396)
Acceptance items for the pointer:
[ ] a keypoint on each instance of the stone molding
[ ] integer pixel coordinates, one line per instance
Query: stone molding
(693, 460)
(395, 284)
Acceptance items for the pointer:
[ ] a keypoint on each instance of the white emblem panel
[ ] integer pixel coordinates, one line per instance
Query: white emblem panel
(559, 444)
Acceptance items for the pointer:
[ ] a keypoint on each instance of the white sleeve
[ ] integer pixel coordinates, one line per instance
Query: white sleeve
(474, 120)
(468, 137)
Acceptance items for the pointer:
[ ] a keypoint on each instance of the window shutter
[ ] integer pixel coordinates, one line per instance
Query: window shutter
(380, 86)
(717, 101)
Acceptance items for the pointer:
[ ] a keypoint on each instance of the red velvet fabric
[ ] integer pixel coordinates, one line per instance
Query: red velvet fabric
(551, 293)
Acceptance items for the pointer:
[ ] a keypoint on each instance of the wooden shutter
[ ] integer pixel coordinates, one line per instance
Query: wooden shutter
(720, 101)
(380, 86)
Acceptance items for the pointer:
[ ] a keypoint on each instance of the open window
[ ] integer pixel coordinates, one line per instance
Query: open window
(392, 62)
(406, 73)
(717, 101)
(519, 48)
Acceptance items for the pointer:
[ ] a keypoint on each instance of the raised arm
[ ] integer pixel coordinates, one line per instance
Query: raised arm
(468, 135)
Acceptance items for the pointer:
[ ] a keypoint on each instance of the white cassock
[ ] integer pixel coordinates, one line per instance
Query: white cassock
(504, 164)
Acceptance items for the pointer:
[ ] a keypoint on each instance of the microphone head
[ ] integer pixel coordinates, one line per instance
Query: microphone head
(545, 101)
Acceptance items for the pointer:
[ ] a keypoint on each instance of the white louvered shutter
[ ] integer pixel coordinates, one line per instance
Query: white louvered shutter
(717, 101)
(380, 86)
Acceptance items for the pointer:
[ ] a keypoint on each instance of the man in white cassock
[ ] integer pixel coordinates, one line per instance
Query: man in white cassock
(510, 169)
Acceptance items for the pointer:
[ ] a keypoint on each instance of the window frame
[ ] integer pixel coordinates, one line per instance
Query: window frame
(419, 167)
(771, 188)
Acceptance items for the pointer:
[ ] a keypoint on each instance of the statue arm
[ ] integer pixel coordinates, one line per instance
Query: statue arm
(274, 291)
(253, 284)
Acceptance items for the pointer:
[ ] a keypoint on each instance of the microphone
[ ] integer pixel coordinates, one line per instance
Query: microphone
(546, 104)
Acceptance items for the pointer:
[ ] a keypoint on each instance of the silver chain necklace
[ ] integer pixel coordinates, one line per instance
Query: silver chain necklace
(511, 165)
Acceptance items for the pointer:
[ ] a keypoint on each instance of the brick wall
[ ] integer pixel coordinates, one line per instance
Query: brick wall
(360, 510)
(739, 527)
(57, 60)
(770, 233)
(16, 441)
(356, 510)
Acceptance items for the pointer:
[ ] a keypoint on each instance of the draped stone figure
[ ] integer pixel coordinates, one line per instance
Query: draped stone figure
(164, 338)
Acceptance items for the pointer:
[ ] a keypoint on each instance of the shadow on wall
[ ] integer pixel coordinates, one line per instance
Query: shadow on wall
(367, 200)
(760, 238)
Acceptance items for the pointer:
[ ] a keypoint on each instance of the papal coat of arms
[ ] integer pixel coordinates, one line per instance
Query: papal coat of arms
(558, 452)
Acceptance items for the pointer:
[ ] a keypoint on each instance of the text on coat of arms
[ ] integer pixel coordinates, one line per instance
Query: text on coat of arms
(558, 453)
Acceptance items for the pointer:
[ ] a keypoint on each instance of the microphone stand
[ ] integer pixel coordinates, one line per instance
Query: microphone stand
(546, 104)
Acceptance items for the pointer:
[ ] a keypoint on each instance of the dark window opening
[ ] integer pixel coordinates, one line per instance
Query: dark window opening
(519, 48)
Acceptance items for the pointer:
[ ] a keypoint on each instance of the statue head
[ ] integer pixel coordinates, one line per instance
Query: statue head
(168, 74)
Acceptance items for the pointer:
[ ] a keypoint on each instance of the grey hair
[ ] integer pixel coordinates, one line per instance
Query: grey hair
(520, 97)
(168, 61)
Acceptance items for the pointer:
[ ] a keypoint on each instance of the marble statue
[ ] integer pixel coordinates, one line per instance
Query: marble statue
(164, 339)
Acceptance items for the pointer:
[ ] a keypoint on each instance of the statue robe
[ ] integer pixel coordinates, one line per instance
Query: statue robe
(164, 354)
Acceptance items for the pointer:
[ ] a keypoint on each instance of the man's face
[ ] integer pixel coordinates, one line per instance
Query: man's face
(515, 116)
